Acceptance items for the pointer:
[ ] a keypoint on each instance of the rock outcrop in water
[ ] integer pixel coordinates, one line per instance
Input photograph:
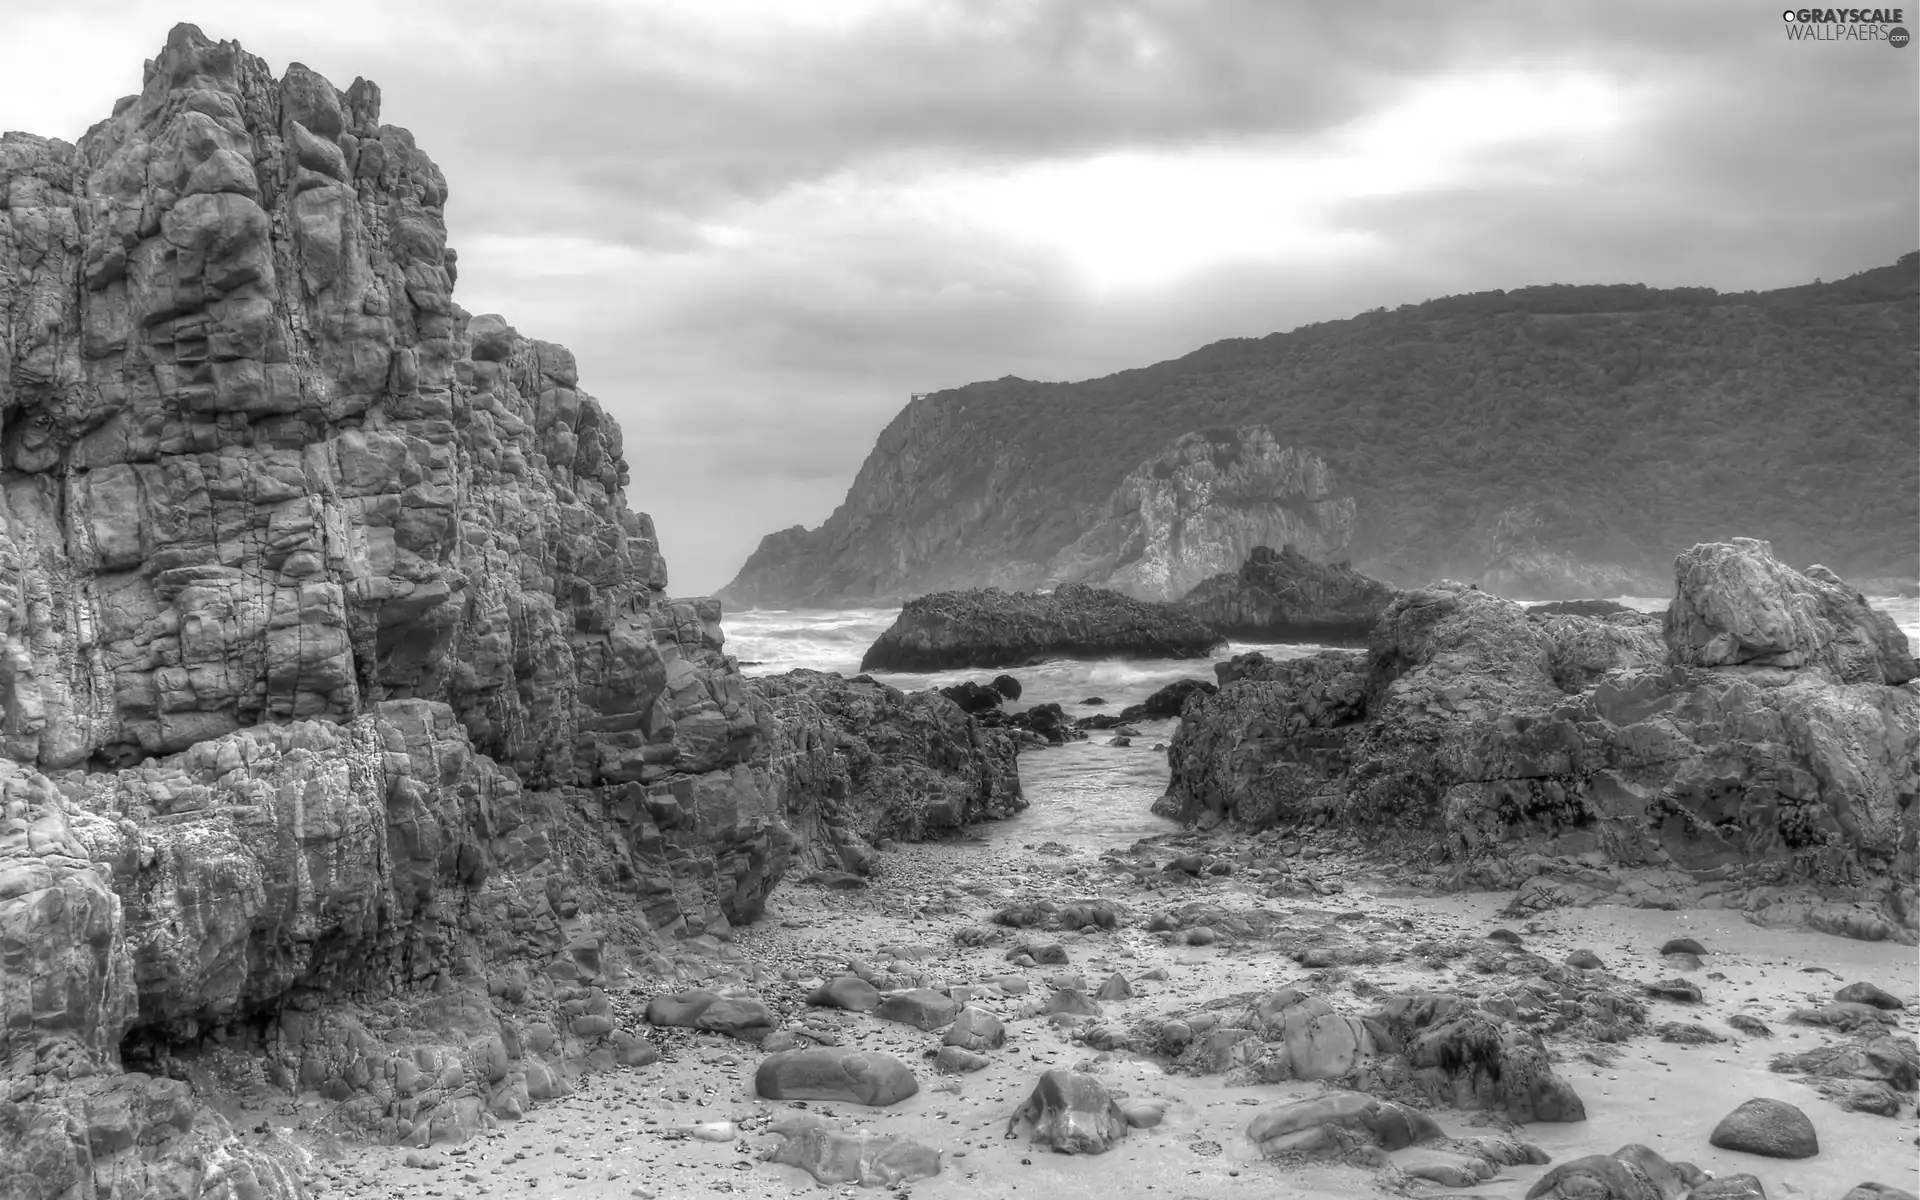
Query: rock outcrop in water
(1756, 739)
(992, 628)
(1285, 596)
(336, 669)
(868, 761)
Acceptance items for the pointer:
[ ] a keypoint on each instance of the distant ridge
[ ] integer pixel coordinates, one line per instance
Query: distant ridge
(1548, 442)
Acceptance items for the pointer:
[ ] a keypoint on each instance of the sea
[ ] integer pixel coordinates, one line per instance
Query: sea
(1088, 795)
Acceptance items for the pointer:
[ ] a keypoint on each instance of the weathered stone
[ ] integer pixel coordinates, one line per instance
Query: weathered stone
(1285, 596)
(1330, 1122)
(854, 1076)
(1072, 1113)
(921, 1008)
(834, 1156)
(1768, 1127)
(991, 628)
(1475, 730)
(1629, 1173)
(849, 992)
(739, 1014)
(1867, 993)
(976, 1029)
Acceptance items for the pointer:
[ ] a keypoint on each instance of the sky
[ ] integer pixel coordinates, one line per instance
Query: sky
(761, 225)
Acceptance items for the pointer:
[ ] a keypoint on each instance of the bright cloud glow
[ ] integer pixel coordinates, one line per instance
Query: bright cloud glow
(1143, 218)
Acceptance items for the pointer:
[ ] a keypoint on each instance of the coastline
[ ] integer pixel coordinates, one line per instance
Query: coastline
(617, 1136)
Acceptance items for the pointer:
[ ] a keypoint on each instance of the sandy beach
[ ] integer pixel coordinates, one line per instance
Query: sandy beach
(625, 1133)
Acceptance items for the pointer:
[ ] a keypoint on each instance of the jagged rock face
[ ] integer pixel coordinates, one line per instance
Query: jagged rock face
(266, 469)
(865, 761)
(1199, 509)
(335, 668)
(992, 628)
(1473, 728)
(1739, 606)
(1286, 595)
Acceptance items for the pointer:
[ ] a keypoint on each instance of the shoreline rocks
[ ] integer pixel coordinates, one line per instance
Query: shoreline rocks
(991, 628)
(1284, 596)
(1755, 725)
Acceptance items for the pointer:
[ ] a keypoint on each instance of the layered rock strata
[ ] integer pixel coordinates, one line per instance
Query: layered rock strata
(349, 732)
(991, 628)
(1756, 738)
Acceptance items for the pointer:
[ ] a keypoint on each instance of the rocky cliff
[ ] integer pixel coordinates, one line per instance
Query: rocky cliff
(1547, 443)
(352, 744)
(1199, 508)
(1766, 735)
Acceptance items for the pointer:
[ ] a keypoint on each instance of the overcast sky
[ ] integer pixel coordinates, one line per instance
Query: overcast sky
(760, 225)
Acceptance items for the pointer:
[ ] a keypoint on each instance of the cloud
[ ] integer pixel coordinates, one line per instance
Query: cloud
(760, 225)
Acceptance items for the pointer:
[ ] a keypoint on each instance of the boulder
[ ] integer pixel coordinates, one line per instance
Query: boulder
(976, 1029)
(1730, 1187)
(1008, 687)
(1476, 733)
(1116, 987)
(972, 697)
(739, 1014)
(1284, 596)
(959, 1059)
(1072, 1113)
(1167, 701)
(1867, 993)
(868, 762)
(991, 628)
(1738, 606)
(1767, 1127)
(849, 992)
(837, 1073)
(1629, 1173)
(1337, 1122)
(921, 1008)
(1456, 1053)
(835, 1156)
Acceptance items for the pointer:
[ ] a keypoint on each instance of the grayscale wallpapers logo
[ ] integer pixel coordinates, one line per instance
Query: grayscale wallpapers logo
(1847, 25)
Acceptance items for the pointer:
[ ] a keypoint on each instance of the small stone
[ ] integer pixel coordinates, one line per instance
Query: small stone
(1867, 993)
(1586, 960)
(1729, 1187)
(1676, 989)
(1682, 945)
(1115, 988)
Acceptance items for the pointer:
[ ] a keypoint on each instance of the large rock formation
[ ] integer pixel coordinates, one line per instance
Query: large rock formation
(335, 667)
(1200, 507)
(992, 628)
(866, 761)
(1286, 596)
(1759, 742)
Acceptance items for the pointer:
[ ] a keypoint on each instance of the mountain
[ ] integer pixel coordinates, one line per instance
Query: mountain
(1550, 442)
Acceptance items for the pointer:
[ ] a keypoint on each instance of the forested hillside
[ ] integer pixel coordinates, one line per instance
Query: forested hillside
(1552, 433)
